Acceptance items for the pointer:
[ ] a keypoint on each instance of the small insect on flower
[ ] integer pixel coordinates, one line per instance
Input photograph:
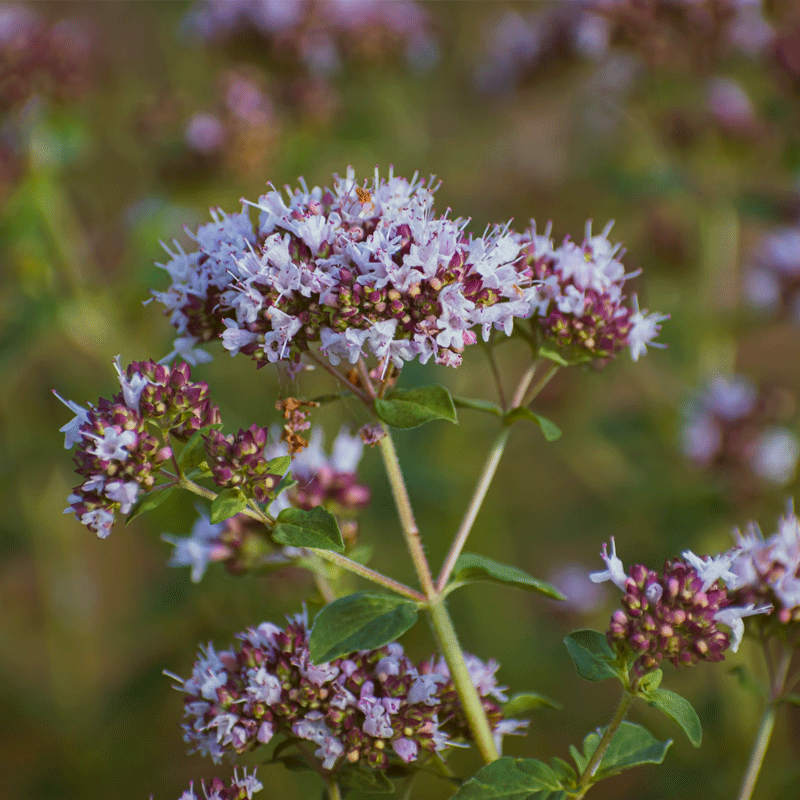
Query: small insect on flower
(365, 197)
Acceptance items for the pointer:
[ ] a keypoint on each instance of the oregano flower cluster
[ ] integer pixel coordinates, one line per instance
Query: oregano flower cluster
(768, 570)
(236, 789)
(675, 615)
(361, 270)
(372, 707)
(118, 455)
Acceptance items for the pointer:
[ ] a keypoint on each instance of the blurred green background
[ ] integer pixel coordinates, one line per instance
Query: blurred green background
(92, 178)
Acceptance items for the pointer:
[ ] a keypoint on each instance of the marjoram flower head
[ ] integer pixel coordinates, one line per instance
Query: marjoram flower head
(237, 788)
(118, 456)
(675, 615)
(768, 570)
(372, 270)
(373, 707)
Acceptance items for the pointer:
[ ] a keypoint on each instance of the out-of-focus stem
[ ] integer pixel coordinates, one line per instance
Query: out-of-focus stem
(489, 469)
(485, 480)
(529, 396)
(777, 679)
(333, 791)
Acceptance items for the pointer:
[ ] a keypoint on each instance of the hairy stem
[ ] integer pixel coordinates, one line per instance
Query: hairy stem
(467, 693)
(328, 555)
(371, 575)
(777, 680)
(585, 780)
(443, 630)
(406, 513)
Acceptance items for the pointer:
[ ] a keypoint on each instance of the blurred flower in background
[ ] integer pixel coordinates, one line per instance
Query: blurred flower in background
(736, 428)
(772, 282)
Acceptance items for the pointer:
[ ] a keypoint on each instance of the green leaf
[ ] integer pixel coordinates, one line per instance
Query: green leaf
(564, 770)
(550, 430)
(592, 655)
(279, 465)
(522, 704)
(361, 621)
(316, 528)
(409, 408)
(478, 405)
(630, 746)
(470, 567)
(362, 553)
(147, 502)
(226, 504)
(679, 710)
(371, 781)
(513, 779)
(550, 352)
(194, 452)
(651, 681)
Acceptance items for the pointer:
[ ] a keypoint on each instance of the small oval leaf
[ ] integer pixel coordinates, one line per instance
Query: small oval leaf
(630, 746)
(316, 528)
(550, 430)
(194, 451)
(512, 779)
(522, 704)
(470, 567)
(361, 621)
(409, 408)
(679, 710)
(591, 654)
(279, 465)
(227, 504)
(147, 502)
(485, 406)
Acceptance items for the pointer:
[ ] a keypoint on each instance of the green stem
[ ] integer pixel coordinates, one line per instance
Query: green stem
(338, 375)
(539, 385)
(470, 699)
(489, 469)
(585, 781)
(442, 625)
(328, 555)
(333, 790)
(485, 480)
(407, 522)
(777, 680)
(370, 574)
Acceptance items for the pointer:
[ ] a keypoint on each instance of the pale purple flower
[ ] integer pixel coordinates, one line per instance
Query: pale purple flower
(200, 548)
(644, 328)
(776, 454)
(614, 572)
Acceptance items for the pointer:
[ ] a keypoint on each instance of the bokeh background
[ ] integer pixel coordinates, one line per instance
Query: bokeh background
(123, 122)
